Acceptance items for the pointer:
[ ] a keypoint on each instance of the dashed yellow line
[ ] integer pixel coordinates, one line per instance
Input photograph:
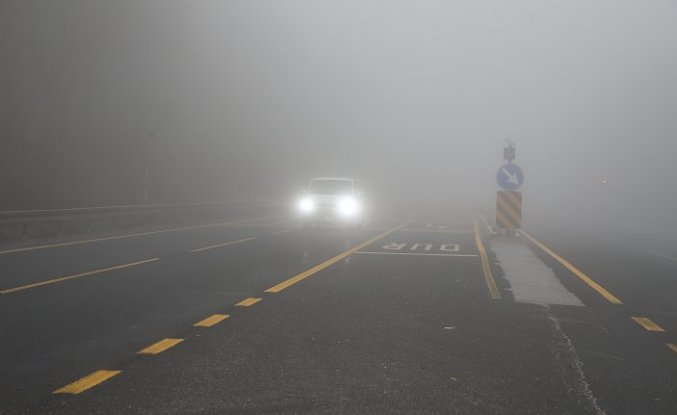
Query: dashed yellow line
(486, 268)
(317, 268)
(248, 302)
(211, 320)
(672, 346)
(591, 283)
(206, 248)
(648, 324)
(88, 382)
(74, 276)
(160, 346)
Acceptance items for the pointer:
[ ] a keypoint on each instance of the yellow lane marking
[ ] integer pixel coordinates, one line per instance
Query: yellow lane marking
(486, 268)
(221, 245)
(74, 276)
(248, 302)
(282, 231)
(595, 286)
(211, 320)
(317, 268)
(130, 235)
(672, 346)
(88, 382)
(648, 324)
(160, 346)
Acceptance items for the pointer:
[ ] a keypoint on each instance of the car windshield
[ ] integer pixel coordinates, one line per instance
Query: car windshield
(330, 187)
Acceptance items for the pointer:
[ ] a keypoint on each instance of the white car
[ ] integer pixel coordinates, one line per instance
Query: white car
(332, 200)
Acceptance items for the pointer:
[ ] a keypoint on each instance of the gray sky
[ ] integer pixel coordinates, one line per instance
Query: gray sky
(252, 98)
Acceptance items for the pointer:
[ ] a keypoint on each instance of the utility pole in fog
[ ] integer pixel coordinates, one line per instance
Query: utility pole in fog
(150, 133)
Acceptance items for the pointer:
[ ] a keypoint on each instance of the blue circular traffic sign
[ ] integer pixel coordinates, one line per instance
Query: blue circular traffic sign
(510, 176)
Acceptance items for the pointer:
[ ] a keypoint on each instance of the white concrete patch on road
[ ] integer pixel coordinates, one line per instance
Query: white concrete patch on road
(531, 280)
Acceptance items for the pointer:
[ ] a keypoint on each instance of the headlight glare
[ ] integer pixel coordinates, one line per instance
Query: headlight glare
(306, 205)
(349, 206)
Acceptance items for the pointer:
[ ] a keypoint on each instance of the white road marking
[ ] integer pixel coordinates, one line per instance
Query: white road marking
(428, 247)
(414, 253)
(393, 246)
(282, 231)
(130, 235)
(651, 251)
(450, 248)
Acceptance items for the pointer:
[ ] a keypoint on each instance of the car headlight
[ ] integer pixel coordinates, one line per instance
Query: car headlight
(349, 206)
(306, 205)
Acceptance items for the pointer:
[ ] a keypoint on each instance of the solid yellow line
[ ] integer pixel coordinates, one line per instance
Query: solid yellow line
(211, 320)
(248, 302)
(648, 324)
(80, 275)
(130, 235)
(601, 290)
(221, 245)
(317, 268)
(672, 346)
(486, 268)
(160, 346)
(88, 382)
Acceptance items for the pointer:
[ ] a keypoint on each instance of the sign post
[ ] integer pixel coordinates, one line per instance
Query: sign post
(509, 210)
(510, 178)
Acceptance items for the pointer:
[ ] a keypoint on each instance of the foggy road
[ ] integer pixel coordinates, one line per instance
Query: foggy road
(338, 207)
(256, 315)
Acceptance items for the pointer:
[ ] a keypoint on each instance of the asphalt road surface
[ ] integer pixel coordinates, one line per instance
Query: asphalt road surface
(257, 316)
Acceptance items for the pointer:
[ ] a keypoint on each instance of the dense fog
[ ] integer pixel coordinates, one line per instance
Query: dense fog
(247, 100)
